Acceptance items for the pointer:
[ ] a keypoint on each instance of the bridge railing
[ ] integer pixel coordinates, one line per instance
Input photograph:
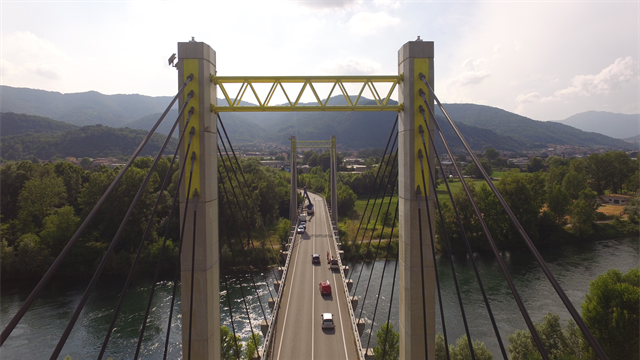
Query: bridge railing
(354, 324)
(274, 314)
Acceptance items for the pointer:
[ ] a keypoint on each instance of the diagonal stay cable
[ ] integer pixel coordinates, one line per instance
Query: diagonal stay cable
(563, 296)
(464, 236)
(245, 181)
(375, 181)
(176, 274)
(494, 248)
(386, 260)
(454, 276)
(233, 326)
(242, 188)
(233, 256)
(424, 301)
(380, 186)
(395, 157)
(393, 284)
(110, 249)
(165, 182)
(166, 236)
(244, 254)
(56, 264)
(432, 232)
(196, 196)
(364, 299)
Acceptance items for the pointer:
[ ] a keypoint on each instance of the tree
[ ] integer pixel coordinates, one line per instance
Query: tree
(472, 169)
(583, 213)
(535, 164)
(388, 343)
(58, 228)
(231, 346)
(559, 203)
(491, 154)
(346, 199)
(39, 198)
(460, 351)
(85, 162)
(573, 183)
(559, 344)
(610, 310)
(633, 209)
(253, 343)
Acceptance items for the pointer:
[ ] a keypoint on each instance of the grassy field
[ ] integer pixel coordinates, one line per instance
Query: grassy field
(455, 185)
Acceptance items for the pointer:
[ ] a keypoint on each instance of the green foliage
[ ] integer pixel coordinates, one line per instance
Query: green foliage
(573, 183)
(253, 343)
(610, 310)
(284, 228)
(231, 346)
(472, 169)
(346, 199)
(559, 203)
(491, 154)
(388, 341)
(461, 351)
(632, 209)
(39, 198)
(535, 164)
(558, 343)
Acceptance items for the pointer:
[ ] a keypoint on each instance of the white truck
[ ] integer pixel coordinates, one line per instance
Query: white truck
(302, 218)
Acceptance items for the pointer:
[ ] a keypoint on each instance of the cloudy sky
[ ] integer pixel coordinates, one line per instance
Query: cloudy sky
(543, 59)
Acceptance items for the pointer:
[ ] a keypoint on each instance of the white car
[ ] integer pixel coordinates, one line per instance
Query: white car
(327, 321)
(300, 229)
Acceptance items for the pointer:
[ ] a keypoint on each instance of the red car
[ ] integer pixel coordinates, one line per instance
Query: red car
(325, 287)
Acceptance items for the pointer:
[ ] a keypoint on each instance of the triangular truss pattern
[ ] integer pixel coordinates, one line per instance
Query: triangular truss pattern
(309, 84)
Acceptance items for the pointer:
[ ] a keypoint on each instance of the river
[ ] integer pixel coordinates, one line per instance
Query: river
(574, 267)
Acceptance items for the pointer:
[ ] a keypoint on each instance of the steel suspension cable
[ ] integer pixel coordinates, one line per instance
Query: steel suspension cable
(393, 187)
(393, 284)
(233, 326)
(144, 236)
(563, 296)
(193, 265)
(494, 248)
(455, 277)
(239, 237)
(380, 186)
(386, 259)
(112, 245)
(424, 301)
(464, 237)
(233, 256)
(245, 181)
(235, 173)
(58, 261)
(433, 248)
(177, 271)
(378, 216)
(165, 238)
(375, 181)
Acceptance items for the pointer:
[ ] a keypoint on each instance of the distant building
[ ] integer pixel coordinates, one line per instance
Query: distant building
(614, 199)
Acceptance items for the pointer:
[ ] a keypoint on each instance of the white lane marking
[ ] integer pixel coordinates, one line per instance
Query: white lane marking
(286, 312)
(344, 340)
(313, 298)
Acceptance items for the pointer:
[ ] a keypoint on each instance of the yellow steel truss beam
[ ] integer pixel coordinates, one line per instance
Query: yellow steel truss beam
(293, 102)
(313, 144)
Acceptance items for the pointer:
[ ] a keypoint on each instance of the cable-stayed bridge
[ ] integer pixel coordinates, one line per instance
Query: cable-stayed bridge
(291, 319)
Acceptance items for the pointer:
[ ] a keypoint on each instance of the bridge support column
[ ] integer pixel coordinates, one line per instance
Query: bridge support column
(293, 202)
(200, 60)
(413, 58)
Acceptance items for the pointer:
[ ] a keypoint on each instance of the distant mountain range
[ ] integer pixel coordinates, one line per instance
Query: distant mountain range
(482, 126)
(619, 126)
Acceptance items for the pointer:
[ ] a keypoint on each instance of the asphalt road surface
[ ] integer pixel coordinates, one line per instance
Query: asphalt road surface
(298, 332)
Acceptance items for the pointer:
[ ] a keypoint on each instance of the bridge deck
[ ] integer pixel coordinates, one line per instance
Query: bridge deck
(298, 334)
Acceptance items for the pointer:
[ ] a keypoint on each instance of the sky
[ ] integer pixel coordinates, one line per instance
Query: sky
(546, 60)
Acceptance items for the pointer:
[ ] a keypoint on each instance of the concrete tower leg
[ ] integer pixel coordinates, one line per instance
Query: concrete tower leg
(293, 202)
(414, 57)
(200, 60)
(334, 181)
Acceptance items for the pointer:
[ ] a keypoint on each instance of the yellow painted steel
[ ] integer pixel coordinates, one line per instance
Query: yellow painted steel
(293, 102)
(313, 144)
(420, 65)
(191, 66)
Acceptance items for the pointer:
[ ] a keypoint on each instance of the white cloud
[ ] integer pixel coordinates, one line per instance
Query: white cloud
(529, 98)
(621, 71)
(25, 56)
(472, 75)
(328, 4)
(351, 66)
(366, 23)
